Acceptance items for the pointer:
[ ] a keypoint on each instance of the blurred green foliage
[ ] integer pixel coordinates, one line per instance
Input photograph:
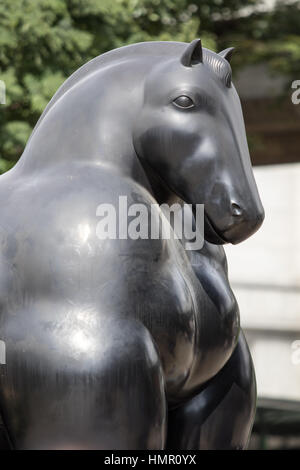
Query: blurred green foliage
(43, 41)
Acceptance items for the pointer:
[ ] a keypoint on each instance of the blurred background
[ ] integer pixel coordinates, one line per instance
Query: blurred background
(43, 41)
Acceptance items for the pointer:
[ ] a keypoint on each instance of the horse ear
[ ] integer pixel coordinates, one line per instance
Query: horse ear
(192, 54)
(227, 53)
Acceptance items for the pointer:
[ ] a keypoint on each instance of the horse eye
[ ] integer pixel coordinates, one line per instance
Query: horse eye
(184, 101)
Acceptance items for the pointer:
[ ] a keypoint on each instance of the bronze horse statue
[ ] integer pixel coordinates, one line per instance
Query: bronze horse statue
(128, 344)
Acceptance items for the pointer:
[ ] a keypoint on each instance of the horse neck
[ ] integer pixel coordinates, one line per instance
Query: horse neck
(90, 124)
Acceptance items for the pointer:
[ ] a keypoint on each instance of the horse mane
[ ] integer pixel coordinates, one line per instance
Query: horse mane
(218, 65)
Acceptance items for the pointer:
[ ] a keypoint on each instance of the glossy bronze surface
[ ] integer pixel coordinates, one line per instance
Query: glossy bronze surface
(104, 337)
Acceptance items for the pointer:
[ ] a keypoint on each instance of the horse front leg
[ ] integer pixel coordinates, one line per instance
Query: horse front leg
(221, 415)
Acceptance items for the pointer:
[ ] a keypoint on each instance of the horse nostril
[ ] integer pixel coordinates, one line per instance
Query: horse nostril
(236, 210)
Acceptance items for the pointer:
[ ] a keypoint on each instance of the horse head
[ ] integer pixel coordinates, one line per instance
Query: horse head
(190, 131)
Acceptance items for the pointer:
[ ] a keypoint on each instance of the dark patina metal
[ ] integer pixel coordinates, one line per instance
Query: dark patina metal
(128, 344)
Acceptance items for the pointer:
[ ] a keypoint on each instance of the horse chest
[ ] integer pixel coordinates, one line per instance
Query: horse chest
(194, 335)
(216, 315)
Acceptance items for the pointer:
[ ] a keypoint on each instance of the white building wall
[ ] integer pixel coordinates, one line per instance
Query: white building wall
(265, 276)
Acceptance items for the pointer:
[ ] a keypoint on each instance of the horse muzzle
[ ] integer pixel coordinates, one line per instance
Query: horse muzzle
(243, 227)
